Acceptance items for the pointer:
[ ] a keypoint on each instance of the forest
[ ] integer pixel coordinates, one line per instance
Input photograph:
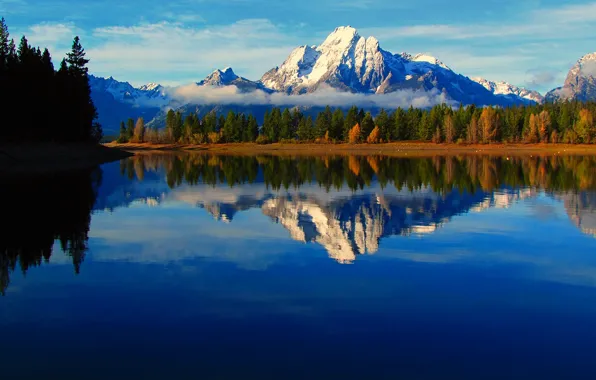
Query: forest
(564, 122)
(49, 105)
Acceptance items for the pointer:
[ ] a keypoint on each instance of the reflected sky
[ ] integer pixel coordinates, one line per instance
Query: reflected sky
(293, 270)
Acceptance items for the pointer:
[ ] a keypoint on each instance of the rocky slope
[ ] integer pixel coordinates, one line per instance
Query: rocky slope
(580, 83)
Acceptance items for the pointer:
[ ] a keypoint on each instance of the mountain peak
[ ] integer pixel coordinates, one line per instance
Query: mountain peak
(342, 36)
(220, 77)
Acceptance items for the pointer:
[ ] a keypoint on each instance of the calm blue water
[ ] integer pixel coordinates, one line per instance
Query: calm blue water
(199, 267)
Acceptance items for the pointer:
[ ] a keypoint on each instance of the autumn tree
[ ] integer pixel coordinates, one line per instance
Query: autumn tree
(139, 133)
(544, 125)
(449, 128)
(355, 135)
(375, 136)
(489, 124)
(584, 127)
(472, 134)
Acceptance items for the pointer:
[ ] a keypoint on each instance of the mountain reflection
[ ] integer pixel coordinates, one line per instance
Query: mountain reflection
(348, 204)
(39, 211)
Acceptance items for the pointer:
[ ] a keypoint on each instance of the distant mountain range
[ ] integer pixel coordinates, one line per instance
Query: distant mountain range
(344, 62)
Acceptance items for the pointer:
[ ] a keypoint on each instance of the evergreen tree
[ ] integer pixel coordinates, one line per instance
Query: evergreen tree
(322, 124)
(122, 136)
(130, 129)
(285, 128)
(367, 126)
(337, 125)
(382, 121)
(252, 130)
(305, 129)
(4, 47)
(350, 121)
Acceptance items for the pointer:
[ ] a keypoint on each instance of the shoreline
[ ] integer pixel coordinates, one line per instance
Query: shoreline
(387, 149)
(50, 158)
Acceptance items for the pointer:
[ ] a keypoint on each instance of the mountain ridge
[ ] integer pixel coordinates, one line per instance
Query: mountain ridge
(344, 62)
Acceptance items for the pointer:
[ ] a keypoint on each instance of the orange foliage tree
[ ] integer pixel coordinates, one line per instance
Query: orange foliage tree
(375, 136)
(354, 135)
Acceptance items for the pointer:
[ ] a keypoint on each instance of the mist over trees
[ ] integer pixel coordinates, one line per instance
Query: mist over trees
(565, 122)
(47, 104)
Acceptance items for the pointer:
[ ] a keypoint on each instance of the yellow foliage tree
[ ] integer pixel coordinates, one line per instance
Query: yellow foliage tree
(584, 127)
(354, 135)
(473, 131)
(139, 131)
(449, 128)
(374, 137)
(544, 124)
(489, 124)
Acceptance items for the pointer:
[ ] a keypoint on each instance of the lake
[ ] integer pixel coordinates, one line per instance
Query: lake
(197, 266)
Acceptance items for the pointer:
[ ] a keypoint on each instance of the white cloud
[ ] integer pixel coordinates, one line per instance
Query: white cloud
(168, 49)
(323, 96)
(539, 24)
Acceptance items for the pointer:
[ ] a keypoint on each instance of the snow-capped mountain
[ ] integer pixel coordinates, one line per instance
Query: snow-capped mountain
(227, 77)
(580, 83)
(151, 93)
(504, 88)
(349, 62)
(345, 61)
(117, 101)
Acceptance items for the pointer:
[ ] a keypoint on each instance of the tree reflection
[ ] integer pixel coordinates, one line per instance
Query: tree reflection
(38, 212)
(442, 174)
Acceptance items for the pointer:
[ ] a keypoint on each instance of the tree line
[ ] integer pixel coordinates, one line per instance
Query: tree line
(53, 105)
(565, 122)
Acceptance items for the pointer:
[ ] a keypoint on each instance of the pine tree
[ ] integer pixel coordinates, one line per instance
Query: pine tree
(305, 129)
(367, 126)
(252, 130)
(322, 124)
(130, 129)
(285, 128)
(4, 48)
(382, 121)
(350, 121)
(122, 137)
(337, 125)
(76, 59)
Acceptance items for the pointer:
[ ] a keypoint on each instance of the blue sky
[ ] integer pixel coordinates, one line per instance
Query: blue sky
(531, 43)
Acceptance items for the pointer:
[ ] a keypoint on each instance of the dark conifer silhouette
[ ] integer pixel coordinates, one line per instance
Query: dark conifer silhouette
(56, 105)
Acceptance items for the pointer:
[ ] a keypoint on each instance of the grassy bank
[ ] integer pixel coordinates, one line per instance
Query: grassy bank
(390, 149)
(25, 158)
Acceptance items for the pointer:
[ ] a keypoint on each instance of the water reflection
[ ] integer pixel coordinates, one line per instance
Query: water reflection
(348, 204)
(39, 211)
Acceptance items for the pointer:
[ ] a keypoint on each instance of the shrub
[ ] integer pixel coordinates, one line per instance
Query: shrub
(262, 139)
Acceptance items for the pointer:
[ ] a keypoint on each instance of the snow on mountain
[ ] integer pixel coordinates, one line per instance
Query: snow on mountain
(227, 77)
(580, 83)
(504, 88)
(347, 61)
(117, 101)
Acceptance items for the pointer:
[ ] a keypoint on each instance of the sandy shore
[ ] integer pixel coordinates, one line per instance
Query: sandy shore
(31, 158)
(390, 149)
